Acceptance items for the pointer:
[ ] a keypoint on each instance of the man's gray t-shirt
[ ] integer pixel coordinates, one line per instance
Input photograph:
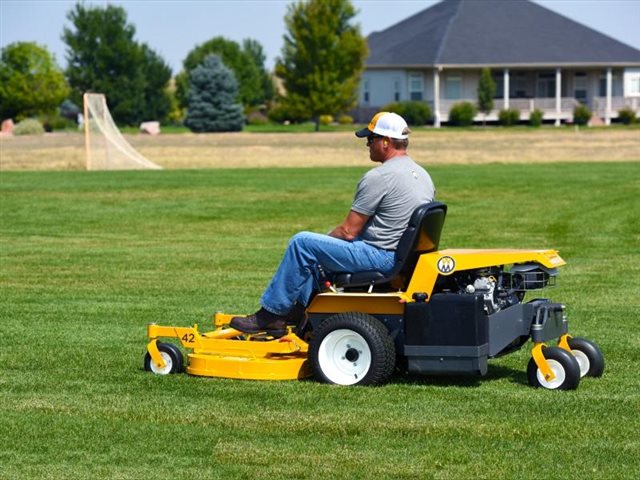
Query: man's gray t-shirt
(389, 194)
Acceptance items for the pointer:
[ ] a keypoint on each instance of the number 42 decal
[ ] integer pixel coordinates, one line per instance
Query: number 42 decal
(188, 338)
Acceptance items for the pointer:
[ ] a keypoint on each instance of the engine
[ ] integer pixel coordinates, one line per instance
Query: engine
(499, 287)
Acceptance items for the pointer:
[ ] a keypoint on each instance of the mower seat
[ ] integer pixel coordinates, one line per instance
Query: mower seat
(421, 236)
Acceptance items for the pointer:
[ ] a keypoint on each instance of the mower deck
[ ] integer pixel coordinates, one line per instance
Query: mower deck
(229, 353)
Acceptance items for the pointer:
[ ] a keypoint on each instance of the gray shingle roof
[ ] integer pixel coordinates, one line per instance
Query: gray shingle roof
(494, 32)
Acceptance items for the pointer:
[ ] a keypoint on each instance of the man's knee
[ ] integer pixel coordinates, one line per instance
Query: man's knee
(302, 239)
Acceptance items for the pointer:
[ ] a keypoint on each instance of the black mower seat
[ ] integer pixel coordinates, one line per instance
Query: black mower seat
(421, 236)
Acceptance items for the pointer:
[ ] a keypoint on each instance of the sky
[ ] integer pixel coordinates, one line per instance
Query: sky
(173, 28)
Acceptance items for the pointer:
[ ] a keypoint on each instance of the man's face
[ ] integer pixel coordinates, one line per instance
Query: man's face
(376, 147)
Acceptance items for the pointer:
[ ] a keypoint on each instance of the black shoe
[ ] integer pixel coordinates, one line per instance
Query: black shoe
(261, 321)
(296, 315)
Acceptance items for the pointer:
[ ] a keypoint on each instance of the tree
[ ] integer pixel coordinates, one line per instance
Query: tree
(486, 92)
(322, 58)
(157, 75)
(212, 104)
(246, 63)
(254, 50)
(31, 83)
(103, 57)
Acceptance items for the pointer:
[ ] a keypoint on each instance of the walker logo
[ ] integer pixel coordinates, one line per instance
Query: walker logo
(446, 265)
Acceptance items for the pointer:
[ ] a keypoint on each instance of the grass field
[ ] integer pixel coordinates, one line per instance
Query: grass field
(88, 259)
(65, 151)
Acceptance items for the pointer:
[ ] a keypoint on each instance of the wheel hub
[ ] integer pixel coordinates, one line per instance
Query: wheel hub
(352, 355)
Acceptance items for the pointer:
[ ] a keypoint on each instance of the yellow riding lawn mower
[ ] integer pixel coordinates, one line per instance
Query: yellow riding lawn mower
(437, 312)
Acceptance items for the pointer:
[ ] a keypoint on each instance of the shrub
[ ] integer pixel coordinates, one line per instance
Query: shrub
(281, 114)
(257, 118)
(509, 117)
(462, 114)
(345, 119)
(414, 112)
(627, 116)
(535, 118)
(29, 126)
(581, 115)
(325, 119)
(56, 122)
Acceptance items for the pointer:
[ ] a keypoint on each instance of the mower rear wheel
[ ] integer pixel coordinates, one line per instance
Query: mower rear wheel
(589, 357)
(564, 366)
(172, 357)
(352, 349)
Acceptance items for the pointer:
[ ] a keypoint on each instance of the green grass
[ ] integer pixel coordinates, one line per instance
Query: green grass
(88, 259)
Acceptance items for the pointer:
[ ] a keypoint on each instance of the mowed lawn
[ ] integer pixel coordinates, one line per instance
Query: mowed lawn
(88, 259)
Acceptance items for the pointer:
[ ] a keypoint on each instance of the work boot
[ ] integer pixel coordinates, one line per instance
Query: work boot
(261, 321)
(296, 315)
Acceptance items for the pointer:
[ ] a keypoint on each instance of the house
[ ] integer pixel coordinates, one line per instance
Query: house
(539, 60)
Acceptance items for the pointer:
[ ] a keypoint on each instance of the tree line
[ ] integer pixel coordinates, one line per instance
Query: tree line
(221, 81)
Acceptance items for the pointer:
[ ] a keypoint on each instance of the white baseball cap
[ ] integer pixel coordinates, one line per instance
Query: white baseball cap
(386, 124)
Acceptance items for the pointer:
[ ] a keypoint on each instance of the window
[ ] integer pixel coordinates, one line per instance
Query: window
(365, 90)
(632, 82)
(416, 86)
(453, 87)
(396, 90)
(546, 86)
(634, 87)
(498, 79)
(580, 86)
(518, 85)
(616, 85)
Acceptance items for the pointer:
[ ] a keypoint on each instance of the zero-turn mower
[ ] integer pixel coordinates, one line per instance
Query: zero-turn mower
(437, 312)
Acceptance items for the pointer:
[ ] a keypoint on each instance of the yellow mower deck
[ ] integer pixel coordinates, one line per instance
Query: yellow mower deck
(228, 353)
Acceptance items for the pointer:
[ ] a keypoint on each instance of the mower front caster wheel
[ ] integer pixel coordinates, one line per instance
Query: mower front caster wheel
(588, 355)
(352, 349)
(172, 357)
(564, 365)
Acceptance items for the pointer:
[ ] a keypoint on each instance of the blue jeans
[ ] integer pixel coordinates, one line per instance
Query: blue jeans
(294, 281)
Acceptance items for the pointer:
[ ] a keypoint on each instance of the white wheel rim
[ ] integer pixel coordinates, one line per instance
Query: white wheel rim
(583, 361)
(168, 365)
(344, 357)
(558, 371)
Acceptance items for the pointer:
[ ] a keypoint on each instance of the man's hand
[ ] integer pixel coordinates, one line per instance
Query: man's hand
(351, 227)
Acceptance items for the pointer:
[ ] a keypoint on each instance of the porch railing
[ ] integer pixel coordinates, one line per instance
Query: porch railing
(617, 104)
(526, 105)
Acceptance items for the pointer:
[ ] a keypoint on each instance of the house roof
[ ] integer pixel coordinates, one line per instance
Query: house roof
(493, 33)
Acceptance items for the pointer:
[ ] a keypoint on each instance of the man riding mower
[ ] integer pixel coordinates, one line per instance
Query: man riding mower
(436, 312)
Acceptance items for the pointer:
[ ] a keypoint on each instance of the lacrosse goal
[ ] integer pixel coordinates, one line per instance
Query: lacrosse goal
(106, 148)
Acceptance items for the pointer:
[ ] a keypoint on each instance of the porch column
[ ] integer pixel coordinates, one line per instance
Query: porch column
(436, 97)
(607, 113)
(558, 96)
(505, 93)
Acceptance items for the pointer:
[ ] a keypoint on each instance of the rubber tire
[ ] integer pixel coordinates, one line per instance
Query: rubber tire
(563, 362)
(593, 356)
(175, 357)
(381, 349)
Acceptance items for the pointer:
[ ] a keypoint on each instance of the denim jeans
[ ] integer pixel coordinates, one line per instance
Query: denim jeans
(295, 279)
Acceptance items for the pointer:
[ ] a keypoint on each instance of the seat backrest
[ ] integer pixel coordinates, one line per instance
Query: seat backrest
(421, 236)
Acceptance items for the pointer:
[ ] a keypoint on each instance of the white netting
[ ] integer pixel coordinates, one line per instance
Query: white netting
(106, 148)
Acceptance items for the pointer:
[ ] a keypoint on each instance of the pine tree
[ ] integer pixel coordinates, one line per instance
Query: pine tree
(212, 99)
(246, 63)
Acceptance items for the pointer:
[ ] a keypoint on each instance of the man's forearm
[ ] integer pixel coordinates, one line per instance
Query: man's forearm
(341, 232)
